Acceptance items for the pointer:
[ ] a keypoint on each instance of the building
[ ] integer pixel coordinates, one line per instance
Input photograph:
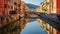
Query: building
(49, 6)
(40, 8)
(8, 8)
(3, 7)
(24, 8)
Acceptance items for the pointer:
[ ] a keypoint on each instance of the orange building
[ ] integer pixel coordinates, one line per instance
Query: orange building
(1, 6)
(9, 5)
(5, 7)
(58, 6)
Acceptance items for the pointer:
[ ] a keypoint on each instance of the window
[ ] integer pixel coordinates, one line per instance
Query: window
(15, 3)
(12, 12)
(19, 5)
(5, 6)
(8, 6)
(8, 0)
(11, 7)
(15, 9)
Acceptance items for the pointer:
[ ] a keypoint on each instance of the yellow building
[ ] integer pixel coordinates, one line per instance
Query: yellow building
(48, 6)
(40, 8)
(54, 6)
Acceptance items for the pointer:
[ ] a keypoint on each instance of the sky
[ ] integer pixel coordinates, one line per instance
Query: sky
(36, 2)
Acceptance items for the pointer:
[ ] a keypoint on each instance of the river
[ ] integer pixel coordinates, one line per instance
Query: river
(33, 27)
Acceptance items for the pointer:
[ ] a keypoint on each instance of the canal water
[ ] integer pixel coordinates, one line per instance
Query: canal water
(33, 27)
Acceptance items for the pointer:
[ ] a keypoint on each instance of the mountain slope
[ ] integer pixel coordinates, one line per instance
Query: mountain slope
(31, 6)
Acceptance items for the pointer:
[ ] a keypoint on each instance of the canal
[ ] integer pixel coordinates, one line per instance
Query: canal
(33, 27)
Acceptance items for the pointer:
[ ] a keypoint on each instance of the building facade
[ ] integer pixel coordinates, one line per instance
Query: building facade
(3, 7)
(49, 6)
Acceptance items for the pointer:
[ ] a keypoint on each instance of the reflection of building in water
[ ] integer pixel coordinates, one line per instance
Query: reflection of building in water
(13, 19)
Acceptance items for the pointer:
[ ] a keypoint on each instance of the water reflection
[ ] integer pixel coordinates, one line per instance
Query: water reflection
(33, 28)
(15, 26)
(31, 20)
(12, 25)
